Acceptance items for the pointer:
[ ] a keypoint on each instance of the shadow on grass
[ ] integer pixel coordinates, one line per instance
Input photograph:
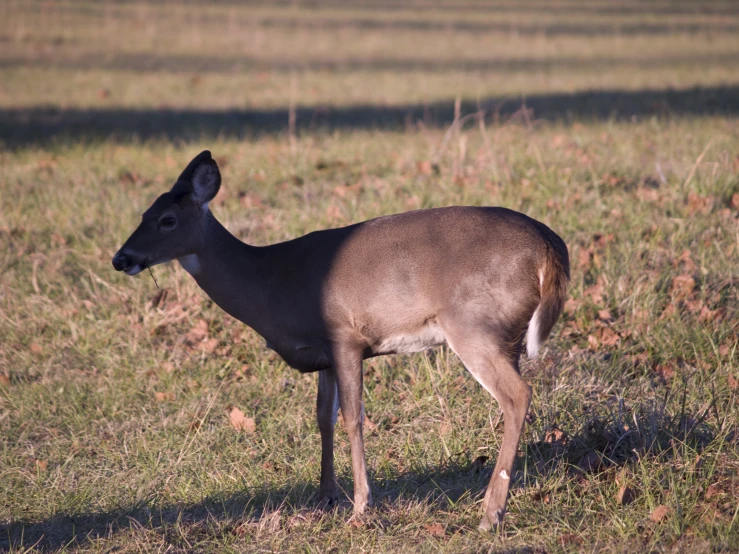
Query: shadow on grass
(230, 512)
(21, 127)
(604, 440)
(244, 64)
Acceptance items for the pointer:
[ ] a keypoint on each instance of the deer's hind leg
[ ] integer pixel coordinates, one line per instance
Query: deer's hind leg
(327, 411)
(493, 361)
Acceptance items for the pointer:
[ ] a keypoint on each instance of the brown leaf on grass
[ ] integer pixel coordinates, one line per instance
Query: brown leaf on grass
(733, 383)
(555, 435)
(699, 204)
(625, 495)
(36, 348)
(659, 513)
(712, 490)
(424, 167)
(197, 333)
(665, 371)
(708, 315)
(669, 311)
(368, 424)
(357, 523)
(209, 345)
(603, 240)
(41, 465)
(604, 336)
(595, 293)
(584, 255)
(240, 422)
(435, 529)
(605, 315)
(163, 396)
(569, 539)
(4, 380)
(682, 286)
(686, 260)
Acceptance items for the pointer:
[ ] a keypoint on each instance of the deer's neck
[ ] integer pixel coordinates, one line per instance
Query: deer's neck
(230, 272)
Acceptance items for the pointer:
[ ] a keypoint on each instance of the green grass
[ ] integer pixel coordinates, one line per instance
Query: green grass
(114, 427)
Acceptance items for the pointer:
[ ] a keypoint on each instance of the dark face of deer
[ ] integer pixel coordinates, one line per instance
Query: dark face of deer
(173, 226)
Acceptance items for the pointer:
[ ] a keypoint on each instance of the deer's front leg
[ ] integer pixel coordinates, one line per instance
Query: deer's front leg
(348, 372)
(327, 409)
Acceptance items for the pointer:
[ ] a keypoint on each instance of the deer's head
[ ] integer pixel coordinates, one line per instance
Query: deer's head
(173, 226)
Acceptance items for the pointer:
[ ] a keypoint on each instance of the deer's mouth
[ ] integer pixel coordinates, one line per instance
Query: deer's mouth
(124, 262)
(134, 269)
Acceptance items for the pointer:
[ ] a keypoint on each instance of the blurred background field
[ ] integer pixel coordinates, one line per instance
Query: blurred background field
(616, 123)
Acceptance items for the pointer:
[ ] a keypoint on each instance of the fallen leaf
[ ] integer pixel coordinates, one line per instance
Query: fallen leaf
(368, 424)
(605, 315)
(686, 260)
(209, 345)
(608, 337)
(711, 491)
(240, 422)
(4, 380)
(163, 396)
(702, 204)
(659, 513)
(356, 523)
(569, 539)
(682, 286)
(665, 371)
(555, 435)
(595, 293)
(197, 333)
(424, 167)
(733, 383)
(36, 348)
(435, 529)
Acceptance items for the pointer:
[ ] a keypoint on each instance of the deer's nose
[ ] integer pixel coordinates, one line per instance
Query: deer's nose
(121, 262)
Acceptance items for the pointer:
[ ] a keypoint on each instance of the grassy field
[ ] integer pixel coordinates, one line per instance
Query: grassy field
(617, 124)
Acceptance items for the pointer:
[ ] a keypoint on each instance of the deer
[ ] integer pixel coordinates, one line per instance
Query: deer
(481, 280)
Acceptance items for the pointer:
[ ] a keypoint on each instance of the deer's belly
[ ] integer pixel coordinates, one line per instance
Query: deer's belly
(305, 359)
(404, 343)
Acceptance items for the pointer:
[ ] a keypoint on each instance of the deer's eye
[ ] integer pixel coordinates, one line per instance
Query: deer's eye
(167, 222)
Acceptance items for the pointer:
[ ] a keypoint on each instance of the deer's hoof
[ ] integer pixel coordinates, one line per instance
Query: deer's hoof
(329, 500)
(491, 520)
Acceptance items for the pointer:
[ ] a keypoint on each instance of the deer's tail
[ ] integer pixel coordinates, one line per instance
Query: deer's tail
(554, 274)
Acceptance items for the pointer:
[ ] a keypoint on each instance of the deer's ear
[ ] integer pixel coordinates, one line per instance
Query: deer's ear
(205, 182)
(200, 180)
